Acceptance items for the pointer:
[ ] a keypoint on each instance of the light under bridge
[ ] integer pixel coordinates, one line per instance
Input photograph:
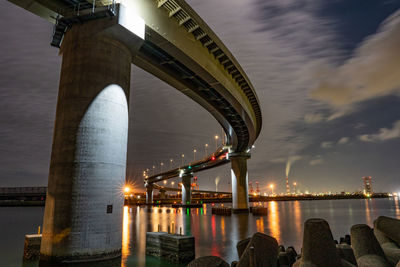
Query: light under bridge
(99, 40)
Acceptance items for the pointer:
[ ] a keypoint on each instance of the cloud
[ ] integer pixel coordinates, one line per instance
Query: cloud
(326, 144)
(278, 160)
(383, 134)
(316, 161)
(292, 39)
(292, 159)
(313, 118)
(343, 140)
(373, 71)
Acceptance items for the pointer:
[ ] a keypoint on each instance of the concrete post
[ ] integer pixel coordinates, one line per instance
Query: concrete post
(162, 194)
(149, 194)
(84, 204)
(186, 189)
(240, 194)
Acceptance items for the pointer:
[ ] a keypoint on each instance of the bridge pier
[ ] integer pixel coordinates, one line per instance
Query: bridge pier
(186, 189)
(149, 194)
(162, 194)
(240, 180)
(84, 204)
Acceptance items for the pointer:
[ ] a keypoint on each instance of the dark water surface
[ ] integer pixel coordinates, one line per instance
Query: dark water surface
(214, 234)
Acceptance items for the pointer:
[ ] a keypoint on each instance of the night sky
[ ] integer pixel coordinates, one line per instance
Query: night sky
(327, 74)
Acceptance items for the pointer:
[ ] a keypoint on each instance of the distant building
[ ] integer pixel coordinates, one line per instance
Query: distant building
(367, 185)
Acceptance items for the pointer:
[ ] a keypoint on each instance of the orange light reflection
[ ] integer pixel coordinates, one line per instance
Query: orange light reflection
(273, 220)
(125, 236)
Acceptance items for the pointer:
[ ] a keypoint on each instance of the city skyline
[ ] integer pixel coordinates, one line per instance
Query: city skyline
(300, 59)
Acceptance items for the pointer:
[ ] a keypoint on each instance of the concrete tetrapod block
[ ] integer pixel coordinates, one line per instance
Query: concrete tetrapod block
(390, 248)
(292, 254)
(208, 261)
(390, 227)
(318, 245)
(241, 246)
(265, 251)
(366, 247)
(283, 259)
(346, 253)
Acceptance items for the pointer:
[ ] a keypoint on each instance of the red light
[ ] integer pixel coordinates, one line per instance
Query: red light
(212, 158)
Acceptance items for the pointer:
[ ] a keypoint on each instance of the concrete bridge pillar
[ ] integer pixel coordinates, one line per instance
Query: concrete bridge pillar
(84, 204)
(162, 194)
(186, 189)
(240, 180)
(149, 194)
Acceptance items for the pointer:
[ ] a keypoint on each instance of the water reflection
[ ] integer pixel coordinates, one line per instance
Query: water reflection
(218, 235)
(273, 220)
(125, 234)
(396, 204)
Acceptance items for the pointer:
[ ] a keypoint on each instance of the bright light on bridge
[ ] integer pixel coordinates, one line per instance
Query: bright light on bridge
(130, 20)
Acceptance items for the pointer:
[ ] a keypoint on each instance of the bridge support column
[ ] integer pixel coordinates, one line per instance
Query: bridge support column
(162, 194)
(186, 189)
(240, 195)
(149, 194)
(84, 204)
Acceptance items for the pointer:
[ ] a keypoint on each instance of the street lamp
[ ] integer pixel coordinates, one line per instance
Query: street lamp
(194, 154)
(216, 141)
(172, 183)
(183, 155)
(205, 149)
(165, 181)
(170, 161)
(161, 164)
(294, 185)
(272, 188)
(154, 168)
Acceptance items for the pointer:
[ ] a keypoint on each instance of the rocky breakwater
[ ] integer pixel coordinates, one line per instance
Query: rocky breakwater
(366, 247)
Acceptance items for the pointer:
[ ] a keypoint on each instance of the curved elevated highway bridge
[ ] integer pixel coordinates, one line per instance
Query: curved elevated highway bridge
(99, 40)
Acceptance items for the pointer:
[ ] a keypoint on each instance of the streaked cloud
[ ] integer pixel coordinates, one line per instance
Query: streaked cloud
(372, 71)
(316, 161)
(343, 140)
(326, 144)
(313, 118)
(383, 134)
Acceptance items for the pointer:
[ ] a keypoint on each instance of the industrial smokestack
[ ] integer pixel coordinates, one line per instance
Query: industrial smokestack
(287, 186)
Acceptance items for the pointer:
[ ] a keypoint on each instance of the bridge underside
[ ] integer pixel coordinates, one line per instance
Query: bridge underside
(83, 213)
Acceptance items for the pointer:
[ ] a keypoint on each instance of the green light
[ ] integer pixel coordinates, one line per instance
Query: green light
(190, 167)
(201, 210)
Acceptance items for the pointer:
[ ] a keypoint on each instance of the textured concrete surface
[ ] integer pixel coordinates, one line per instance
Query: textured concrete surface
(175, 248)
(208, 261)
(83, 213)
(149, 194)
(32, 247)
(390, 227)
(186, 189)
(265, 251)
(319, 248)
(366, 247)
(240, 180)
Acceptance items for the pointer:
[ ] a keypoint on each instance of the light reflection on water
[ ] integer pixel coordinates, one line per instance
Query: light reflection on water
(214, 234)
(218, 235)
